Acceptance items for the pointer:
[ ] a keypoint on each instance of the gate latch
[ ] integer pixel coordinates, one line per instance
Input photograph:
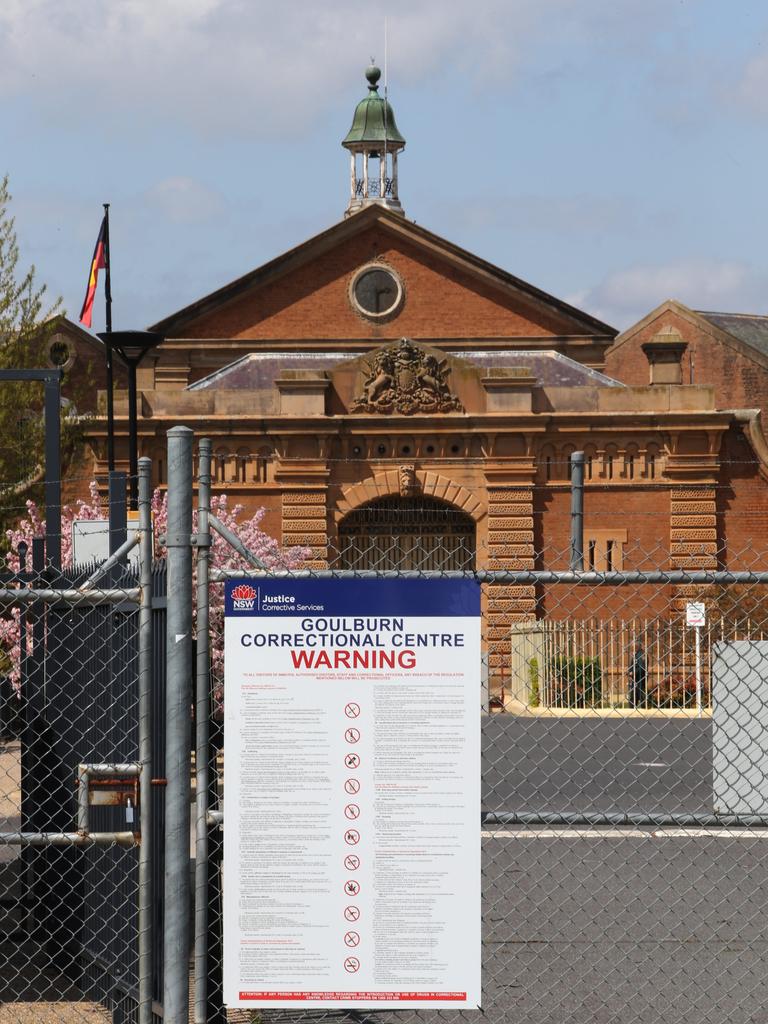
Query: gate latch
(106, 785)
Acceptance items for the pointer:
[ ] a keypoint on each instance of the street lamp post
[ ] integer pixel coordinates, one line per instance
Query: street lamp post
(132, 346)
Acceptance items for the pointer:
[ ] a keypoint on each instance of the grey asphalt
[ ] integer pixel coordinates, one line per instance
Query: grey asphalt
(597, 764)
(611, 926)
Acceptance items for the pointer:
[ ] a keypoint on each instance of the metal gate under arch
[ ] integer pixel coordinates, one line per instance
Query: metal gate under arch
(415, 532)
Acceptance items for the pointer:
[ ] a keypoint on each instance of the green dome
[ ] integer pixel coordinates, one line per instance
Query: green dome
(371, 116)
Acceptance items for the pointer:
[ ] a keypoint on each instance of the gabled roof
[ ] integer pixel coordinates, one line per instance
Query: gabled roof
(580, 323)
(752, 329)
(745, 332)
(60, 322)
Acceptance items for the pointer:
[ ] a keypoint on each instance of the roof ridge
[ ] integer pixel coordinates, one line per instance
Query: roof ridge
(717, 312)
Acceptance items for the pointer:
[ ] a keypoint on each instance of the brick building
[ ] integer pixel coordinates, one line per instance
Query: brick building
(392, 399)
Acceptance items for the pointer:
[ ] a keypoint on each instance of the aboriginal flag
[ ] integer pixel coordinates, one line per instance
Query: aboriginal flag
(100, 260)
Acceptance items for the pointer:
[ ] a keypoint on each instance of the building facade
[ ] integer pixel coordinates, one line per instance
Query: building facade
(393, 400)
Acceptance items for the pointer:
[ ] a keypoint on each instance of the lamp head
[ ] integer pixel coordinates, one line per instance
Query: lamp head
(131, 346)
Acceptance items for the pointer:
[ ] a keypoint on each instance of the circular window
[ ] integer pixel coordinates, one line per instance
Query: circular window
(376, 291)
(60, 353)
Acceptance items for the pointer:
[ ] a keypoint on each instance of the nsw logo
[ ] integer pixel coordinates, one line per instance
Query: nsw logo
(243, 597)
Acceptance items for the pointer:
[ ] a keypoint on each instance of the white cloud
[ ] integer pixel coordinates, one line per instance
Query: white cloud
(752, 89)
(561, 214)
(256, 66)
(184, 201)
(627, 295)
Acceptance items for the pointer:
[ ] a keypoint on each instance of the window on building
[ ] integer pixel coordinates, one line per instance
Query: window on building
(219, 467)
(589, 550)
(158, 462)
(588, 467)
(650, 466)
(604, 550)
(407, 533)
(609, 467)
(609, 555)
(629, 466)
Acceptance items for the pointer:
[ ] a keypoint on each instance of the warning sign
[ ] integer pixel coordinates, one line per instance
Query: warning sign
(696, 614)
(352, 719)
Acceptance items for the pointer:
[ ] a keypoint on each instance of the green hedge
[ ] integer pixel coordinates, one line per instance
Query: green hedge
(576, 682)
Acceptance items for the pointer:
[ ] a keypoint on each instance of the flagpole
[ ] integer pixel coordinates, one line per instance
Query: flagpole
(108, 346)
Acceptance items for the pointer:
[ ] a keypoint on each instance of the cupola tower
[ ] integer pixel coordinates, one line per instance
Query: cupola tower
(373, 142)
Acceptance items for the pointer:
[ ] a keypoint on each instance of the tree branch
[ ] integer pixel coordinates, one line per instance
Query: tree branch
(25, 485)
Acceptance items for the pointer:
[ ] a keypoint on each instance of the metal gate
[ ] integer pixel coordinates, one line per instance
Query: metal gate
(625, 839)
(77, 915)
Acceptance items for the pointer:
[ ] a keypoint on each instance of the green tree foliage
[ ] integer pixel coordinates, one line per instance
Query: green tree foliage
(27, 321)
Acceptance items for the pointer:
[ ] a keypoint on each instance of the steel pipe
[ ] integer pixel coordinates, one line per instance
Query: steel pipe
(662, 819)
(518, 576)
(176, 944)
(202, 732)
(113, 559)
(234, 542)
(73, 597)
(69, 839)
(146, 895)
(577, 512)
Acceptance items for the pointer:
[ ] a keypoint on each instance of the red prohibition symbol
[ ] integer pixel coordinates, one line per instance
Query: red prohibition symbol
(351, 862)
(352, 913)
(351, 811)
(352, 760)
(352, 735)
(352, 710)
(351, 939)
(352, 964)
(351, 887)
(351, 837)
(352, 786)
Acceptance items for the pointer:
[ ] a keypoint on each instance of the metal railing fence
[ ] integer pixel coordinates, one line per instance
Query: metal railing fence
(625, 841)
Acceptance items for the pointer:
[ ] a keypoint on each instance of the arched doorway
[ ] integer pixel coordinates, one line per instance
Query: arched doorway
(407, 533)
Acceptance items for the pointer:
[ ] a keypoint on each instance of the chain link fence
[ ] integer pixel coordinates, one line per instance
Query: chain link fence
(70, 814)
(624, 776)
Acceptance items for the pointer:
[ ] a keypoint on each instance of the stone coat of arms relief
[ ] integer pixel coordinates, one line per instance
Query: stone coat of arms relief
(405, 379)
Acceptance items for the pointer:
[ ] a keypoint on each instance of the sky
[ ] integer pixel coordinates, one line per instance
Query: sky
(611, 152)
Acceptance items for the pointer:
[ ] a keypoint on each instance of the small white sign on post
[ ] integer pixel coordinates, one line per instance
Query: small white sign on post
(90, 540)
(696, 616)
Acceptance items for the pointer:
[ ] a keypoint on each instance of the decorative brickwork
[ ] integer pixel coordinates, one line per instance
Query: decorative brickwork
(387, 482)
(693, 539)
(510, 546)
(305, 523)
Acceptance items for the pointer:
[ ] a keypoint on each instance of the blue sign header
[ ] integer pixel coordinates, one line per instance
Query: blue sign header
(369, 597)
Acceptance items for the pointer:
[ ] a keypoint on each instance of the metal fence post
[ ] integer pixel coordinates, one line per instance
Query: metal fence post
(145, 743)
(202, 738)
(178, 728)
(118, 510)
(577, 512)
(52, 401)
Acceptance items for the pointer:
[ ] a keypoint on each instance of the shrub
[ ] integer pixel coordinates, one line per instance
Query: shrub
(534, 698)
(576, 682)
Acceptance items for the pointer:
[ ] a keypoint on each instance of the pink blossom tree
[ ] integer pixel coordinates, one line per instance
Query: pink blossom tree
(248, 529)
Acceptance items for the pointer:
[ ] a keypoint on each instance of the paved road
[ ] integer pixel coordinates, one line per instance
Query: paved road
(597, 764)
(613, 926)
(616, 926)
